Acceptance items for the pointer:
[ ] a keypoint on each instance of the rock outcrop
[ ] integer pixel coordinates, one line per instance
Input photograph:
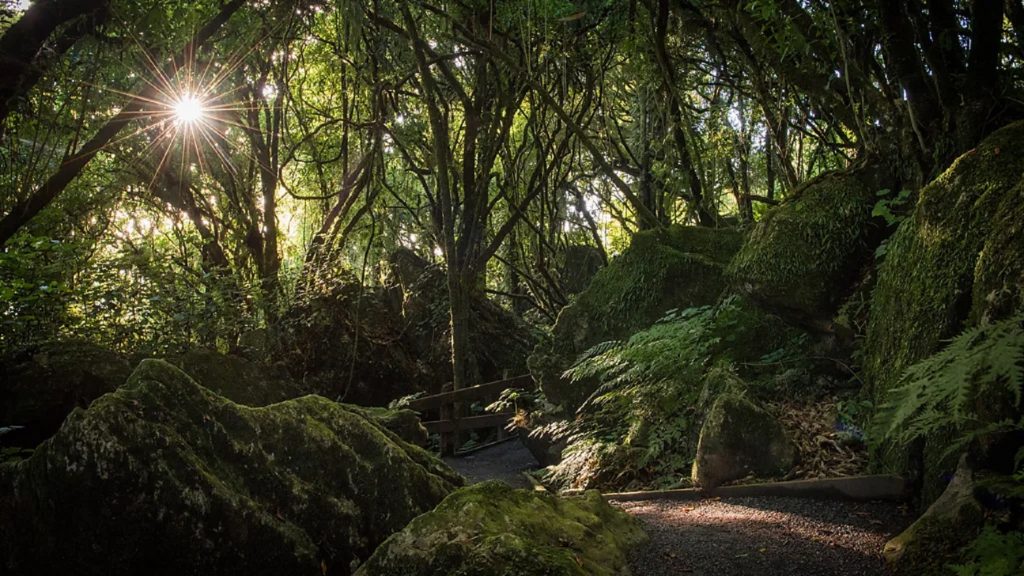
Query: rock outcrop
(163, 476)
(955, 262)
(490, 529)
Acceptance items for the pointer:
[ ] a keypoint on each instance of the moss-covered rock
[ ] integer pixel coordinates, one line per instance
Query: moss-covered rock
(955, 261)
(935, 539)
(40, 385)
(800, 259)
(739, 438)
(662, 270)
(236, 378)
(163, 476)
(490, 529)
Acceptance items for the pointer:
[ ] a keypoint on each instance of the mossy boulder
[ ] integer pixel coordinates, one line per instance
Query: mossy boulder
(739, 438)
(935, 539)
(371, 345)
(957, 260)
(236, 378)
(491, 529)
(163, 476)
(954, 263)
(41, 384)
(675, 268)
(801, 257)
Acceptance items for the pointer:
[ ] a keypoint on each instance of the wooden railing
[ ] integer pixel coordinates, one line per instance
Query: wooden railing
(449, 405)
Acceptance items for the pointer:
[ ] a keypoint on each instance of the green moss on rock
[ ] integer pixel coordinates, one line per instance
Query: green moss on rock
(954, 263)
(678, 267)
(163, 476)
(799, 258)
(490, 529)
(935, 539)
(740, 438)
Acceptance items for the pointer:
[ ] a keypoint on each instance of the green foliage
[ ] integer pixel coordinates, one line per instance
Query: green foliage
(802, 251)
(993, 553)
(971, 388)
(640, 426)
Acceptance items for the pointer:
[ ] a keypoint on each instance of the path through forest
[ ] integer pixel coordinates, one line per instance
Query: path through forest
(736, 536)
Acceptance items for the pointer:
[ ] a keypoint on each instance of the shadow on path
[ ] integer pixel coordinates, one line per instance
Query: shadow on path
(506, 461)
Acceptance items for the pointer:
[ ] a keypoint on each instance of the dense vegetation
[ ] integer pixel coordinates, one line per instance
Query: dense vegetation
(807, 212)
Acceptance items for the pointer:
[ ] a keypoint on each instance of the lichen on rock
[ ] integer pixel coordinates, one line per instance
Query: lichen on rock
(491, 529)
(163, 476)
(675, 268)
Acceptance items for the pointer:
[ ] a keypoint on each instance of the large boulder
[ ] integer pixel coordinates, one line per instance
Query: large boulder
(738, 439)
(41, 384)
(954, 263)
(490, 529)
(801, 257)
(163, 476)
(676, 268)
(348, 343)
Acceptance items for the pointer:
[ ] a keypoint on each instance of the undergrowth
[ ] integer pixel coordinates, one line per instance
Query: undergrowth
(970, 389)
(640, 426)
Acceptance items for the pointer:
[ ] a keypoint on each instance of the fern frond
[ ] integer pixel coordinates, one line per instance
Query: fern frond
(983, 365)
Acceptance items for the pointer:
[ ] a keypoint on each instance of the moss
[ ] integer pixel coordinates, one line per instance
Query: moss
(955, 262)
(740, 438)
(403, 422)
(164, 476)
(663, 269)
(490, 529)
(949, 263)
(936, 538)
(800, 257)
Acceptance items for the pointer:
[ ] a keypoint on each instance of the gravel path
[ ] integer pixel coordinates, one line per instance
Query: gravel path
(506, 461)
(764, 536)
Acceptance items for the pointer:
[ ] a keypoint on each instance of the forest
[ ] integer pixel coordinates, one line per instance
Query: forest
(512, 287)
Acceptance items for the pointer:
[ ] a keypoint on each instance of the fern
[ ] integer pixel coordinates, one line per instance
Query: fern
(993, 553)
(984, 366)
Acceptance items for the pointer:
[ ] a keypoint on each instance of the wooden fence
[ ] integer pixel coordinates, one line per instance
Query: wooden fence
(449, 405)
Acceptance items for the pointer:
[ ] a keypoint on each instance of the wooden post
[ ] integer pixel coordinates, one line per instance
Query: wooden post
(448, 438)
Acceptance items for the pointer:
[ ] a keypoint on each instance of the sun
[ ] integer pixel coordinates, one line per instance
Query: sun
(188, 109)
